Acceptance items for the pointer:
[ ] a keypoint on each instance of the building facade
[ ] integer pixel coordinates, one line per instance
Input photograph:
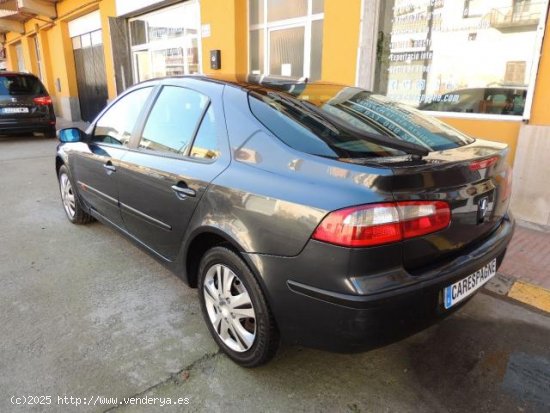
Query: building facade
(483, 66)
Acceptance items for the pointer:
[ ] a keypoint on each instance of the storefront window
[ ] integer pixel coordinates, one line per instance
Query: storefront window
(288, 35)
(468, 56)
(166, 42)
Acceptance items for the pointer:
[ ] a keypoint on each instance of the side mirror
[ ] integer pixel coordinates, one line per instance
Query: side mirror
(70, 135)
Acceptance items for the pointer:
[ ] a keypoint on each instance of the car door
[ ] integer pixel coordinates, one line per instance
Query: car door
(182, 147)
(94, 166)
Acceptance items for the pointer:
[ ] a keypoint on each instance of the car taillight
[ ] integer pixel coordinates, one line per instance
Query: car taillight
(376, 224)
(483, 164)
(43, 100)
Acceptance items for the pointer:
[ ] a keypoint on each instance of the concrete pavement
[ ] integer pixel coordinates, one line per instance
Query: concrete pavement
(84, 313)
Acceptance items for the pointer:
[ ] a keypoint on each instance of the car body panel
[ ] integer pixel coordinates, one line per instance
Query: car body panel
(161, 219)
(98, 185)
(265, 199)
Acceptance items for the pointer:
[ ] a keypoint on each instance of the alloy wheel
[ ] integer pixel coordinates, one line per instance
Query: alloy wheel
(229, 308)
(67, 195)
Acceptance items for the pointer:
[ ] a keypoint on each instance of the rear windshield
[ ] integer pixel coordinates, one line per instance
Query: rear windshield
(299, 121)
(13, 85)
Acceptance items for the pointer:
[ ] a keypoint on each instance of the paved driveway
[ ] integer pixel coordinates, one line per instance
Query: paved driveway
(85, 314)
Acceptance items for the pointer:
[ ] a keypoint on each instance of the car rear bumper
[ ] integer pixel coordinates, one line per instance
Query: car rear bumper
(394, 304)
(27, 125)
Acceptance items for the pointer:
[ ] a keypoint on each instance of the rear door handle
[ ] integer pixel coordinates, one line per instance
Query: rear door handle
(109, 167)
(183, 191)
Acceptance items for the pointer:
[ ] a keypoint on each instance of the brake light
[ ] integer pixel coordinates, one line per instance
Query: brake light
(376, 224)
(483, 164)
(43, 100)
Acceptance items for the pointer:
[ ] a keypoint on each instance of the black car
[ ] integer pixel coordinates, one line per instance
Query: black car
(319, 214)
(25, 105)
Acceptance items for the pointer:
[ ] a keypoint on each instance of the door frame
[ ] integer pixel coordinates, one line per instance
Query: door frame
(104, 71)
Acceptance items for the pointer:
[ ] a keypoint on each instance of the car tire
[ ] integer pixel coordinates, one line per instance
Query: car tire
(237, 316)
(69, 198)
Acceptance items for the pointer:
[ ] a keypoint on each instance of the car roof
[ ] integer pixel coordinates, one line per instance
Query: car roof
(250, 82)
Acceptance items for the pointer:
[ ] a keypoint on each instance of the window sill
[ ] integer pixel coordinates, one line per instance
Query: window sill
(476, 116)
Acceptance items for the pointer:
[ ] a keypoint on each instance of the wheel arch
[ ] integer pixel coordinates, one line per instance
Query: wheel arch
(201, 241)
(59, 162)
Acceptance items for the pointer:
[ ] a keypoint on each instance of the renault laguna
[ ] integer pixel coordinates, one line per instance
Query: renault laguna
(308, 213)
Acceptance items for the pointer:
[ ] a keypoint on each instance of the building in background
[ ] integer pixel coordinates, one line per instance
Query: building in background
(482, 66)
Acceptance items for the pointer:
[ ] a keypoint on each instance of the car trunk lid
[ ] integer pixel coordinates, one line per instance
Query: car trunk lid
(475, 181)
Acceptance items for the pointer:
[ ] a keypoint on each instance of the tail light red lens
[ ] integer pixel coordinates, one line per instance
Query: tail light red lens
(377, 224)
(483, 164)
(43, 100)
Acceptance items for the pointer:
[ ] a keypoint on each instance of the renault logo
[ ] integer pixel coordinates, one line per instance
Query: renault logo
(483, 207)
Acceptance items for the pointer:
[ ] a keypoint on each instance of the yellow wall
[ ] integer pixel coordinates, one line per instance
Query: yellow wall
(56, 46)
(107, 9)
(228, 26)
(340, 40)
(540, 112)
(493, 130)
(229, 33)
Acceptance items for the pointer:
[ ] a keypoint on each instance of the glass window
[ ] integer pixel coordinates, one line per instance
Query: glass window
(318, 6)
(285, 9)
(282, 39)
(166, 42)
(117, 124)
(286, 49)
(173, 120)
(77, 44)
(97, 37)
(257, 52)
(256, 11)
(86, 40)
(206, 142)
(467, 57)
(316, 49)
(317, 122)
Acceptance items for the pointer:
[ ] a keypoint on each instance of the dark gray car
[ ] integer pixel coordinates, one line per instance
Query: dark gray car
(319, 214)
(25, 105)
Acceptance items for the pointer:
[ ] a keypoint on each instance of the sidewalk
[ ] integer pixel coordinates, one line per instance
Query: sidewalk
(525, 272)
(528, 257)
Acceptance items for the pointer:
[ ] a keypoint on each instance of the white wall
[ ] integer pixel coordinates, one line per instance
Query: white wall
(530, 188)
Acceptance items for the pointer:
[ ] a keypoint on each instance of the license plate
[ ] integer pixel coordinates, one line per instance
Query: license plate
(458, 291)
(15, 110)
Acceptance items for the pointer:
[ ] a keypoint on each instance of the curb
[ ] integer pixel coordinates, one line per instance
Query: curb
(526, 293)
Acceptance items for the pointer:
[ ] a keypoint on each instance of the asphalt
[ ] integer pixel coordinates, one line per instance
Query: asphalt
(85, 314)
